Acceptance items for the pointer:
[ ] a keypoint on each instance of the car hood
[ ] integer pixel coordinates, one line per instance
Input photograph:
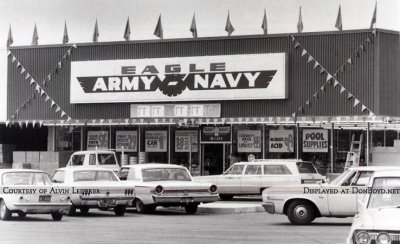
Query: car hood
(378, 219)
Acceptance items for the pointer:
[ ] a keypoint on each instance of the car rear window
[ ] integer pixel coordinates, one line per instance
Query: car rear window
(26, 178)
(306, 168)
(106, 159)
(276, 170)
(94, 176)
(58, 177)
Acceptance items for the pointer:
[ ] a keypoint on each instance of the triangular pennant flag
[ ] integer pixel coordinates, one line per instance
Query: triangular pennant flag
(356, 102)
(350, 61)
(18, 64)
(74, 46)
(193, 27)
(96, 32)
(322, 70)
(362, 47)
(8, 52)
(341, 69)
(374, 32)
(335, 83)
(35, 37)
(159, 32)
(52, 104)
(10, 38)
(59, 64)
(293, 39)
(37, 88)
(22, 70)
(40, 123)
(13, 59)
(57, 108)
(323, 88)
(373, 20)
(65, 35)
(342, 89)
(328, 77)
(7, 123)
(300, 22)
(127, 32)
(27, 76)
(368, 40)
(229, 27)
(47, 98)
(301, 109)
(69, 119)
(339, 24)
(316, 64)
(101, 121)
(363, 108)
(297, 45)
(264, 24)
(315, 95)
(371, 113)
(308, 102)
(350, 96)
(304, 52)
(310, 58)
(42, 92)
(20, 123)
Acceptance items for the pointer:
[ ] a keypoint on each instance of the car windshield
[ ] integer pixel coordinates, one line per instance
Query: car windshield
(25, 178)
(93, 175)
(168, 174)
(339, 178)
(306, 168)
(106, 159)
(385, 192)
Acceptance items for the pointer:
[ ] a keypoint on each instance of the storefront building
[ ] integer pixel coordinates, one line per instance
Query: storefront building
(208, 102)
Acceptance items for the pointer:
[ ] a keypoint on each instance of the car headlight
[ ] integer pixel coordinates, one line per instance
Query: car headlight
(362, 238)
(383, 238)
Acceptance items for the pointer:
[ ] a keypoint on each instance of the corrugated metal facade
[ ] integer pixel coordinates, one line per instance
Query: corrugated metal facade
(331, 50)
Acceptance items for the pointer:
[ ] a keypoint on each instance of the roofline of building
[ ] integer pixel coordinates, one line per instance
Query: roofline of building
(204, 38)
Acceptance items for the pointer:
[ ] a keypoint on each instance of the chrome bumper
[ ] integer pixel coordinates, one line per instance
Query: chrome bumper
(185, 199)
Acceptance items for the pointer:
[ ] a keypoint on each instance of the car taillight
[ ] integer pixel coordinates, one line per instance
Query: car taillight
(213, 188)
(159, 189)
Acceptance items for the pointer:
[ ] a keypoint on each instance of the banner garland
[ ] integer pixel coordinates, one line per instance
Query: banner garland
(332, 78)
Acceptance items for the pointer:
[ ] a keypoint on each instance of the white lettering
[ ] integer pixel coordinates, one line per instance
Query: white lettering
(147, 81)
(218, 81)
(100, 84)
(130, 85)
(251, 78)
(198, 80)
(233, 82)
(114, 84)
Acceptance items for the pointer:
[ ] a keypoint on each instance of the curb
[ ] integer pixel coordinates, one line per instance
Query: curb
(230, 208)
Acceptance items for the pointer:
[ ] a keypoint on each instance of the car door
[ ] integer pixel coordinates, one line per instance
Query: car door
(251, 179)
(230, 181)
(277, 174)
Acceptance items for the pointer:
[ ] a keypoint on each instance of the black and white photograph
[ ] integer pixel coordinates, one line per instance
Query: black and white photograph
(199, 121)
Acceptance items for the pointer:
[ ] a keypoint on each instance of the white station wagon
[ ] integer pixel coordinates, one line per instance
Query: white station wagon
(94, 187)
(378, 221)
(20, 194)
(251, 178)
(166, 185)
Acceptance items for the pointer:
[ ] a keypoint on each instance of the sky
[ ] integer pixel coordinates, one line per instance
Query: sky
(246, 17)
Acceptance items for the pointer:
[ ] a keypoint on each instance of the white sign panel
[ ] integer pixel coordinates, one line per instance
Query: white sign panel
(185, 138)
(126, 141)
(202, 78)
(249, 141)
(281, 141)
(315, 141)
(156, 141)
(97, 140)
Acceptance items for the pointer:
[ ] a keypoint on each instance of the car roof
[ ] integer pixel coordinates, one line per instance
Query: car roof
(376, 168)
(93, 151)
(84, 168)
(20, 170)
(269, 161)
(388, 173)
(152, 165)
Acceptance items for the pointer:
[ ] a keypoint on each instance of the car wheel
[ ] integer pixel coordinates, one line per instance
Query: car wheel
(191, 208)
(84, 209)
(5, 213)
(120, 210)
(142, 208)
(225, 197)
(21, 214)
(72, 211)
(56, 216)
(301, 213)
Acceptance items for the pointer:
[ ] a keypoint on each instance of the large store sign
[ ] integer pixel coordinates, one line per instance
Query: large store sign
(315, 140)
(186, 141)
(249, 141)
(156, 141)
(281, 141)
(97, 140)
(216, 134)
(204, 78)
(126, 141)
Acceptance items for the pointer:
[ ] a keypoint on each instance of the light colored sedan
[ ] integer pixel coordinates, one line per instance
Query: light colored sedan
(27, 191)
(93, 187)
(166, 185)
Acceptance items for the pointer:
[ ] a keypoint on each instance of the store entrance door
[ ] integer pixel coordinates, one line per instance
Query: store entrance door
(214, 158)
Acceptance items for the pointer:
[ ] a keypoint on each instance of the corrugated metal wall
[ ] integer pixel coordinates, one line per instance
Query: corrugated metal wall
(331, 50)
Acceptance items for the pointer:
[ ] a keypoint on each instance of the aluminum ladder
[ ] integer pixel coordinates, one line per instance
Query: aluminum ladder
(353, 156)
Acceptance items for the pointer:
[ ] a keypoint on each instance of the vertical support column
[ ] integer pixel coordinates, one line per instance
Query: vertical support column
(139, 144)
(169, 144)
(109, 141)
(263, 140)
(368, 142)
(223, 155)
(332, 146)
(82, 136)
(297, 141)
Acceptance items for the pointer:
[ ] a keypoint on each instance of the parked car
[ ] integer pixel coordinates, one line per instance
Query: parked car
(94, 187)
(20, 194)
(251, 178)
(303, 203)
(378, 220)
(166, 185)
(103, 159)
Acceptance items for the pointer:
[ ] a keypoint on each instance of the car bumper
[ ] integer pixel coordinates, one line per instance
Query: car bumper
(102, 201)
(162, 199)
(269, 207)
(40, 207)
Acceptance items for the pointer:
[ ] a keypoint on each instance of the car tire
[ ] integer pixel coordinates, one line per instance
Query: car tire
(21, 214)
(84, 209)
(226, 197)
(301, 213)
(120, 210)
(5, 213)
(72, 211)
(57, 216)
(142, 208)
(191, 208)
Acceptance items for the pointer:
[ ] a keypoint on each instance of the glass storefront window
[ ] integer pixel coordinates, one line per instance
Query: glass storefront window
(68, 138)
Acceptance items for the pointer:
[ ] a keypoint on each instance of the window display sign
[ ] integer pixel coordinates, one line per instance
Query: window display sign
(126, 141)
(185, 138)
(249, 141)
(216, 134)
(156, 141)
(315, 141)
(97, 140)
(281, 141)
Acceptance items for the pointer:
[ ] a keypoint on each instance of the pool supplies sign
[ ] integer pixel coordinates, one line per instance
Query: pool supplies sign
(156, 141)
(249, 141)
(126, 141)
(281, 141)
(97, 140)
(315, 141)
(200, 78)
(184, 139)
